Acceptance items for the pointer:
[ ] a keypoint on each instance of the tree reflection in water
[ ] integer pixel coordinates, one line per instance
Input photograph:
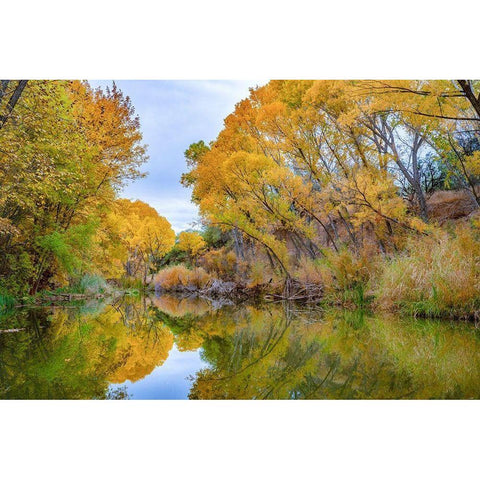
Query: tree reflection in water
(269, 351)
(280, 351)
(77, 352)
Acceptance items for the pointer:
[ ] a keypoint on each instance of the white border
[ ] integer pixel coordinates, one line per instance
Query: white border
(240, 439)
(219, 39)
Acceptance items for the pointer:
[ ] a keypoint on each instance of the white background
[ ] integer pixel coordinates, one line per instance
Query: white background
(220, 40)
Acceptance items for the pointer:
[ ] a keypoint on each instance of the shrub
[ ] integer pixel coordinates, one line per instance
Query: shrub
(259, 273)
(437, 275)
(345, 270)
(222, 263)
(92, 284)
(309, 272)
(198, 278)
(345, 275)
(178, 277)
(172, 277)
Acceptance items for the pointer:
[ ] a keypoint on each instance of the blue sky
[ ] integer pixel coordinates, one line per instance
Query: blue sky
(174, 114)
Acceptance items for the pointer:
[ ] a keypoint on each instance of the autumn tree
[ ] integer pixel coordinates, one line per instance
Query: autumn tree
(65, 153)
(144, 235)
(304, 165)
(192, 243)
(13, 96)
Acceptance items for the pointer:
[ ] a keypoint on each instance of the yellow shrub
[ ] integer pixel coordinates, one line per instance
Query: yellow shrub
(222, 263)
(198, 278)
(179, 276)
(171, 277)
(258, 274)
(346, 270)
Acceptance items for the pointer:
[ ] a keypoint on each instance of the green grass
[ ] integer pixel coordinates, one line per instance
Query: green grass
(132, 292)
(92, 284)
(356, 296)
(7, 302)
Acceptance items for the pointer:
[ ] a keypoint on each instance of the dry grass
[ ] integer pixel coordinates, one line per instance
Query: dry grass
(309, 272)
(347, 270)
(221, 263)
(179, 277)
(258, 275)
(198, 278)
(343, 277)
(437, 275)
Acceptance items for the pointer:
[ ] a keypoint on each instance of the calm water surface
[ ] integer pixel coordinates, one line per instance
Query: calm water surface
(172, 348)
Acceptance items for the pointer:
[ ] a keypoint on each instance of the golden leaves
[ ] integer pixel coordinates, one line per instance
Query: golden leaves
(191, 242)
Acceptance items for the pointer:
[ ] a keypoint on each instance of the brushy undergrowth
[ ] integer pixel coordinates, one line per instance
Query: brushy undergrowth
(437, 275)
(345, 276)
(179, 277)
(220, 263)
(434, 275)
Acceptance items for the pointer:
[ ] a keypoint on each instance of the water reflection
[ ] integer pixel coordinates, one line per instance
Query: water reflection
(77, 352)
(172, 381)
(169, 347)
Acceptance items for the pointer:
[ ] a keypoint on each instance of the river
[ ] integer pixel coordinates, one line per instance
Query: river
(177, 348)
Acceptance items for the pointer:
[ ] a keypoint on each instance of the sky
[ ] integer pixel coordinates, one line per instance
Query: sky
(173, 114)
(170, 381)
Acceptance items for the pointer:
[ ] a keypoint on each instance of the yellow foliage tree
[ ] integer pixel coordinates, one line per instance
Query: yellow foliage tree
(191, 243)
(141, 236)
(304, 165)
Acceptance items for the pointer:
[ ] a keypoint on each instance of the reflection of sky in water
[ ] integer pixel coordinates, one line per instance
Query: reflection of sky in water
(168, 381)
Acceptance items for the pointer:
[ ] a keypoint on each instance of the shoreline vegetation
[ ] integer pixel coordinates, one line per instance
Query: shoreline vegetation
(404, 283)
(360, 194)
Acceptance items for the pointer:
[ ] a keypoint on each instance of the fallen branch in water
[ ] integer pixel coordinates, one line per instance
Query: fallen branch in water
(309, 292)
(220, 289)
(12, 330)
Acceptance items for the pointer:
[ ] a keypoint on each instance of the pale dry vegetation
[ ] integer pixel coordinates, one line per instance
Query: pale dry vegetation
(436, 275)
(179, 277)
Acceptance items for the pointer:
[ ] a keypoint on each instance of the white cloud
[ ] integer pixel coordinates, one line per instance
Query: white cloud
(174, 114)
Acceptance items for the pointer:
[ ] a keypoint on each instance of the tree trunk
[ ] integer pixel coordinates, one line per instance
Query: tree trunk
(13, 101)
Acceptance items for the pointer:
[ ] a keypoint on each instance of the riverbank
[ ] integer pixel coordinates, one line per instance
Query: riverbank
(432, 276)
(48, 298)
(221, 293)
